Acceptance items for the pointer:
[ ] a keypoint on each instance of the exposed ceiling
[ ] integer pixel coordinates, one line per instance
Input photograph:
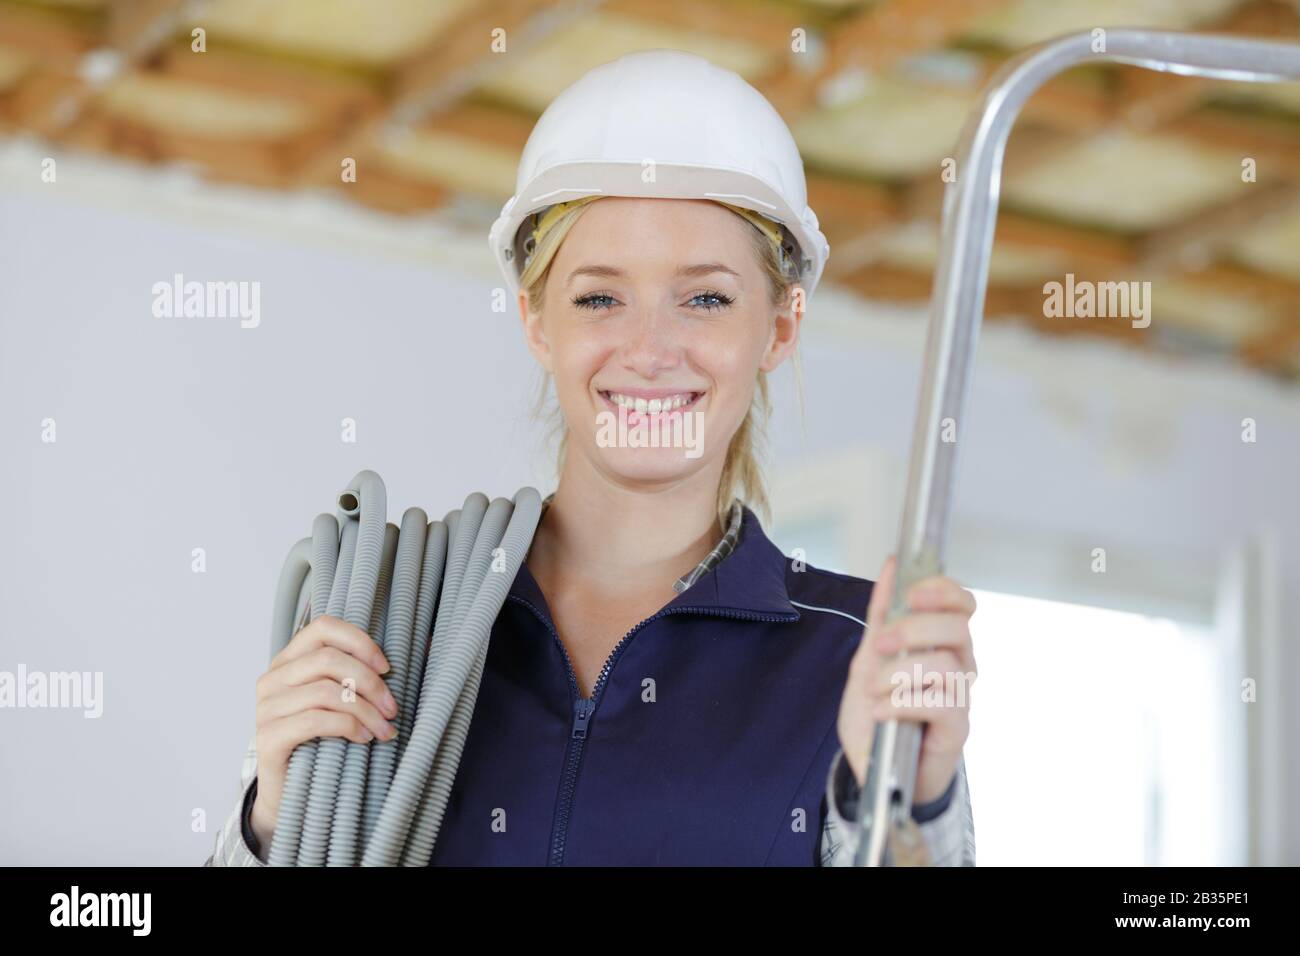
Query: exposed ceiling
(1112, 172)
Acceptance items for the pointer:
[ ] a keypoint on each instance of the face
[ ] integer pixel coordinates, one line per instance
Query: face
(656, 312)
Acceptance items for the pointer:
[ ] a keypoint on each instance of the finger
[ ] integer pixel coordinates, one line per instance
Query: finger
(925, 631)
(325, 694)
(332, 663)
(864, 658)
(881, 594)
(944, 729)
(933, 680)
(892, 707)
(330, 631)
(282, 736)
(915, 672)
(939, 593)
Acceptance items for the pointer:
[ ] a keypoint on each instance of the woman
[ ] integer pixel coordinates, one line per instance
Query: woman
(663, 686)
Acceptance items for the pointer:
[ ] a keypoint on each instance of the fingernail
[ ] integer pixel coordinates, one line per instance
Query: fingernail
(381, 664)
(368, 735)
(390, 705)
(392, 732)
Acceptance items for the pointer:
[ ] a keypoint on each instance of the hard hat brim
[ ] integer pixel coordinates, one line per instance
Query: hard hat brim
(628, 178)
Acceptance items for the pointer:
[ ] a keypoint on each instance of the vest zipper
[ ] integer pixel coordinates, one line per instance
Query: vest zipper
(585, 707)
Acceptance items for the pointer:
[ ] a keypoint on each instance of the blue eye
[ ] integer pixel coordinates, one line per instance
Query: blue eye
(595, 301)
(722, 300)
(588, 301)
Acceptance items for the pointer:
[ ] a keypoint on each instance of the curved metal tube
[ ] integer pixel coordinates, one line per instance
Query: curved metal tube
(956, 305)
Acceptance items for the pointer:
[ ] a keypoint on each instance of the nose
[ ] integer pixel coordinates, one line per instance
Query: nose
(651, 347)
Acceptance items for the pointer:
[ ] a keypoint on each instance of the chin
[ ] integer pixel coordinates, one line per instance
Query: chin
(649, 465)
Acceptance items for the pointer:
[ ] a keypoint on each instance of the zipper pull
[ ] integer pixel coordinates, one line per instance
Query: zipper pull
(582, 708)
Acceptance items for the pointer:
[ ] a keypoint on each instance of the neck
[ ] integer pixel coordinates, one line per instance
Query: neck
(620, 542)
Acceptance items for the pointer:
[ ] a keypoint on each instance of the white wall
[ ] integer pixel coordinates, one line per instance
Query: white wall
(183, 433)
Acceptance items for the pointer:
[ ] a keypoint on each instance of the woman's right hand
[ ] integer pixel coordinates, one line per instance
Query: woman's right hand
(325, 683)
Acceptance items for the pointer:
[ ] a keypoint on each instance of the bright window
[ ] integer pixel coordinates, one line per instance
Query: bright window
(1098, 737)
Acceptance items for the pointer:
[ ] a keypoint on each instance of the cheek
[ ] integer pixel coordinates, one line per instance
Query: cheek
(577, 360)
(733, 365)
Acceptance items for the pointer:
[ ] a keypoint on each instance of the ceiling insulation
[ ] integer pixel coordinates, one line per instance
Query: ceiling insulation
(374, 33)
(457, 161)
(1025, 22)
(1127, 182)
(1197, 307)
(13, 64)
(891, 130)
(1272, 248)
(1112, 171)
(537, 76)
(201, 109)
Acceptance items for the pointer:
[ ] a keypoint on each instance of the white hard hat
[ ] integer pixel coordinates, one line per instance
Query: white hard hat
(706, 132)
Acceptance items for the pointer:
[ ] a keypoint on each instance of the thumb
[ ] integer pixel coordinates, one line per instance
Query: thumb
(881, 594)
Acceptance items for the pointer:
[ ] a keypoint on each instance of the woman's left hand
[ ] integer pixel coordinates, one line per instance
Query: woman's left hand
(881, 686)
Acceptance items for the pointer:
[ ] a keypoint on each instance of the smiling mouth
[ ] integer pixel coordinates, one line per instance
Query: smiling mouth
(676, 401)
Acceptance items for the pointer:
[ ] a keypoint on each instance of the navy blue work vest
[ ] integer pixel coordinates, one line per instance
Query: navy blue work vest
(706, 741)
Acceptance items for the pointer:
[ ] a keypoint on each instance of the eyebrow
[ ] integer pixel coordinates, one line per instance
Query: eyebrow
(701, 269)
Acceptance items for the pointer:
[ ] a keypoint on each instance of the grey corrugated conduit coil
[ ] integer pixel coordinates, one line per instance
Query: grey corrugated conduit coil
(325, 555)
(382, 803)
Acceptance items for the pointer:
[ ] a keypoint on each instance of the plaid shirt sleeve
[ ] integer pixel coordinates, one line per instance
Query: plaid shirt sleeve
(946, 824)
(234, 838)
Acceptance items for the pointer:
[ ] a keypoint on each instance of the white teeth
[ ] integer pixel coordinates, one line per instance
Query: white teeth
(651, 406)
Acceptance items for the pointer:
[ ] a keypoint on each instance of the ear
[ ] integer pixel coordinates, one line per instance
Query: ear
(534, 334)
(785, 330)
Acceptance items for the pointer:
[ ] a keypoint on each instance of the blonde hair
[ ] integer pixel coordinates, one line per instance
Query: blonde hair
(742, 475)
